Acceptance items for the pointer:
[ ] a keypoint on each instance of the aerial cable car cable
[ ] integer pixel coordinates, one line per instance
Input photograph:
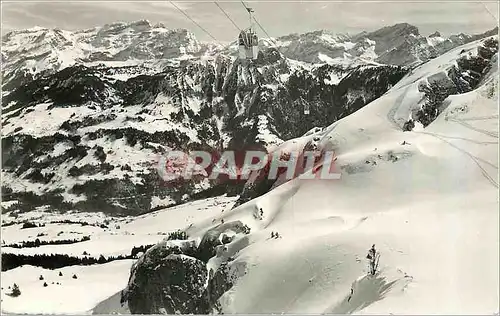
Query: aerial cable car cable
(243, 3)
(492, 15)
(488, 10)
(273, 42)
(250, 11)
(263, 30)
(248, 42)
(227, 15)
(196, 23)
(253, 17)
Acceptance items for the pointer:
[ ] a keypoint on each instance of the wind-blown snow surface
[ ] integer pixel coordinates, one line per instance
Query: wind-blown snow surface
(76, 296)
(430, 205)
(120, 235)
(97, 282)
(427, 199)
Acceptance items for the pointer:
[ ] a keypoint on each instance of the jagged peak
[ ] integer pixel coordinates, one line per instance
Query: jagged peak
(315, 34)
(396, 29)
(492, 32)
(143, 22)
(160, 25)
(143, 26)
(34, 29)
(139, 25)
(406, 26)
(435, 34)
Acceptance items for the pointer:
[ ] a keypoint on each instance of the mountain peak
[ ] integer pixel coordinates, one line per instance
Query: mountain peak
(399, 29)
(435, 34)
(137, 26)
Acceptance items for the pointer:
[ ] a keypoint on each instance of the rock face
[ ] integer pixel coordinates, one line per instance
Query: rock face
(42, 50)
(400, 44)
(460, 78)
(172, 276)
(91, 137)
(176, 286)
(88, 116)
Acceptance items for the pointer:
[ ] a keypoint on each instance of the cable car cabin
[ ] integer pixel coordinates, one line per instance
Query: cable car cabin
(306, 109)
(248, 45)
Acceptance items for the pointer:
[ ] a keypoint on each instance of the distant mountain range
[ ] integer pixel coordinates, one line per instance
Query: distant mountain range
(86, 114)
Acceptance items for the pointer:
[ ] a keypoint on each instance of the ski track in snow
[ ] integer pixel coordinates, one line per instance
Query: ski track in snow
(397, 104)
(461, 138)
(479, 130)
(474, 158)
(427, 216)
(480, 118)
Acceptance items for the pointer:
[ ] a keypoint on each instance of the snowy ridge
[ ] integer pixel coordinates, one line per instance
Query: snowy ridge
(40, 50)
(37, 51)
(399, 44)
(399, 191)
(402, 191)
(103, 126)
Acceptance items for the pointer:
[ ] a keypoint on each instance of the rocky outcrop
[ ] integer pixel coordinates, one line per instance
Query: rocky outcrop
(399, 44)
(172, 286)
(212, 238)
(172, 276)
(460, 78)
(38, 51)
(106, 126)
(102, 151)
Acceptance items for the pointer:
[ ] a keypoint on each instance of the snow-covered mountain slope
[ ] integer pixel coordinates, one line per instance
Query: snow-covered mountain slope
(118, 236)
(460, 71)
(402, 187)
(402, 191)
(90, 137)
(63, 294)
(426, 198)
(30, 52)
(399, 44)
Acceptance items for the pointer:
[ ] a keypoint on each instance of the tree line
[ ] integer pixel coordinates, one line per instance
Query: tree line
(37, 242)
(56, 261)
(53, 261)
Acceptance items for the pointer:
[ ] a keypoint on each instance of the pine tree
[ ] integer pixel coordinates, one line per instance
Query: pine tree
(60, 273)
(45, 284)
(15, 290)
(74, 276)
(102, 259)
(40, 278)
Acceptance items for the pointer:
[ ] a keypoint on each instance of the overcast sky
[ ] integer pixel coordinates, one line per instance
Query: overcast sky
(277, 17)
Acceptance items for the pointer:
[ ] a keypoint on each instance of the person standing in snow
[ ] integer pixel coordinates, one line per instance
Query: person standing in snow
(372, 259)
(350, 295)
(258, 213)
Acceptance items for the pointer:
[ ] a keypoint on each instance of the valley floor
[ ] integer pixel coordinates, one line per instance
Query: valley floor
(94, 283)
